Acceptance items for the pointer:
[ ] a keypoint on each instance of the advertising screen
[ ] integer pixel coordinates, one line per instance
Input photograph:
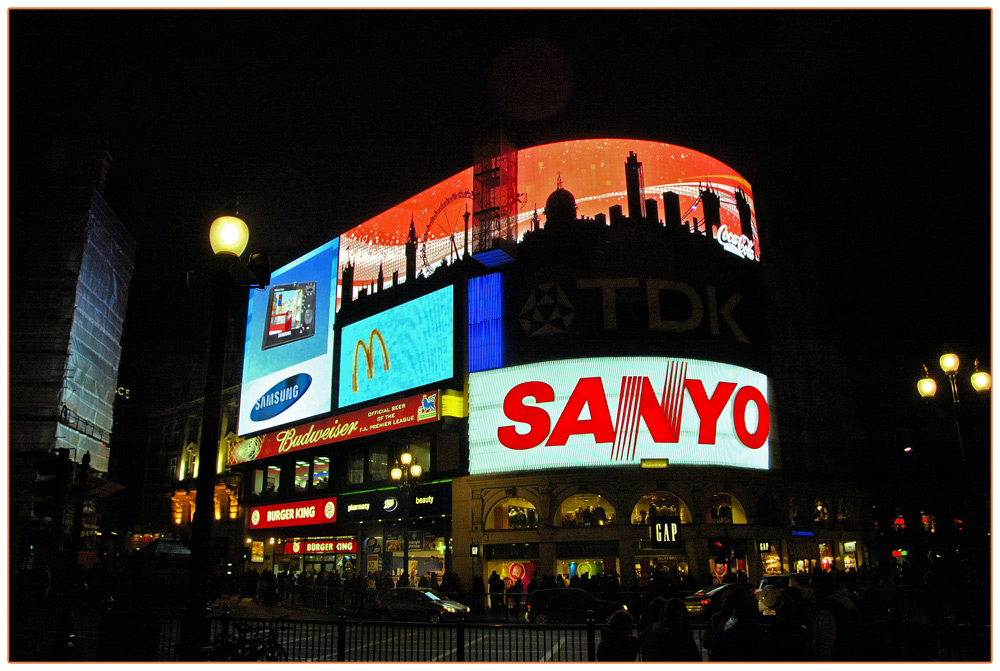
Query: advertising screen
(593, 170)
(617, 412)
(288, 353)
(398, 349)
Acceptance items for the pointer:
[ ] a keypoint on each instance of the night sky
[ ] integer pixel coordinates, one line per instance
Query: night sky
(864, 134)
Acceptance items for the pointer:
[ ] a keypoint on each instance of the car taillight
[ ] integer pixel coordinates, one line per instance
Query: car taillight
(705, 602)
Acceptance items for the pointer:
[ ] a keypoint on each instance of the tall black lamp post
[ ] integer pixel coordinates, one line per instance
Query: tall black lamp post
(981, 382)
(406, 472)
(228, 237)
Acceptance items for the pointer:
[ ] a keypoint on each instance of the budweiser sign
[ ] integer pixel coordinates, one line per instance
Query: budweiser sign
(617, 411)
(374, 419)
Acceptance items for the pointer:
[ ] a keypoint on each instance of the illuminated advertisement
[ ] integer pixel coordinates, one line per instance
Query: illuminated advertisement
(593, 170)
(398, 349)
(311, 546)
(294, 513)
(288, 352)
(397, 414)
(617, 412)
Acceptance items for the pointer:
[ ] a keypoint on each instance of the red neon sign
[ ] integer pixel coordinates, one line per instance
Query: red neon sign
(297, 513)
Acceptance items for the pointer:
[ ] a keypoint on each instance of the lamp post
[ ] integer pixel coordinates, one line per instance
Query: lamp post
(927, 388)
(405, 473)
(228, 237)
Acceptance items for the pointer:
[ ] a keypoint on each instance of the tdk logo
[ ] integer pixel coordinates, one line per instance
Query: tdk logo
(280, 397)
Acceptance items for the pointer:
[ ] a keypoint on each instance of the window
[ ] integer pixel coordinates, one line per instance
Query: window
(356, 467)
(378, 464)
(585, 510)
(321, 472)
(658, 505)
(512, 513)
(273, 479)
(301, 476)
(725, 509)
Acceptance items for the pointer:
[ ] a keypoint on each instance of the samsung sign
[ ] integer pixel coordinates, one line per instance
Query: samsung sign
(617, 412)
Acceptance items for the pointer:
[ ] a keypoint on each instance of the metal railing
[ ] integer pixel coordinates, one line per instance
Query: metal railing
(904, 625)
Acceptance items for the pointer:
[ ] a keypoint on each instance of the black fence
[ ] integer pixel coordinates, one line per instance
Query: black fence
(897, 625)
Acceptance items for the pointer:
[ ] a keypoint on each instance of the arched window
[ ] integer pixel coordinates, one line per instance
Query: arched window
(725, 509)
(584, 510)
(512, 513)
(660, 504)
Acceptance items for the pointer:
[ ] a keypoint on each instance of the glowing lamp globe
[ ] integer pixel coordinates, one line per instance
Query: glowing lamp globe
(949, 363)
(228, 235)
(981, 380)
(396, 473)
(405, 458)
(416, 470)
(927, 387)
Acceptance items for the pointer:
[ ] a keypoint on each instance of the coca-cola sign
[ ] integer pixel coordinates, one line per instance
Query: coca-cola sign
(617, 412)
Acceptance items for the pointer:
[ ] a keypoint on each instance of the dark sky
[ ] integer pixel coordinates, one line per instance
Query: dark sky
(865, 136)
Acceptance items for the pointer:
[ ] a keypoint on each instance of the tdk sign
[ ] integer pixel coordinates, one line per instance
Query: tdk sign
(280, 397)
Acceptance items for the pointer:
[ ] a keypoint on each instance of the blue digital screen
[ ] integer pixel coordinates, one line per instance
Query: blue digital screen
(289, 337)
(407, 346)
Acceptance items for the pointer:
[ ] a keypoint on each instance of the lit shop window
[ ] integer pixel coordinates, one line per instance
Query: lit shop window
(512, 513)
(301, 476)
(585, 510)
(321, 472)
(928, 522)
(660, 505)
(725, 509)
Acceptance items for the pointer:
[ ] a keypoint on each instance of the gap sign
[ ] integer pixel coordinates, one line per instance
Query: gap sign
(616, 412)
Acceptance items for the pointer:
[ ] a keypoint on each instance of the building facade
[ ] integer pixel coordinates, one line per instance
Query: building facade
(590, 389)
(71, 264)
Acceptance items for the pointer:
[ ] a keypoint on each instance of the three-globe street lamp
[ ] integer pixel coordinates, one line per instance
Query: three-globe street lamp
(406, 472)
(228, 237)
(981, 382)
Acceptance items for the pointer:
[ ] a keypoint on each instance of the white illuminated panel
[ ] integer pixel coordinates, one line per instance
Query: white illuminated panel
(616, 412)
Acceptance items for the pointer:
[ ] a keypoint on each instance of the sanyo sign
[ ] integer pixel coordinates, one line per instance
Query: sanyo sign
(616, 412)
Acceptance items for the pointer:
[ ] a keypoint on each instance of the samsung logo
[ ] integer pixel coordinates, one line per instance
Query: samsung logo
(280, 397)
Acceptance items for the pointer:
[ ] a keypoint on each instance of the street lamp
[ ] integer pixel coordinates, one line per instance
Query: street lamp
(228, 237)
(405, 473)
(927, 387)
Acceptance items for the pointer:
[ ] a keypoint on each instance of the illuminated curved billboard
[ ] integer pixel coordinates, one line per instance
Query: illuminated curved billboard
(618, 411)
(592, 170)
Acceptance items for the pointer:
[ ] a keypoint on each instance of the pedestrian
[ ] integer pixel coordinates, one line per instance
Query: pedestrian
(618, 644)
(478, 594)
(713, 640)
(496, 587)
(671, 639)
(836, 629)
(743, 638)
(790, 628)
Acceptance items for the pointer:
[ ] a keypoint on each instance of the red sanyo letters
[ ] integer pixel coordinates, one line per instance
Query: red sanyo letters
(637, 401)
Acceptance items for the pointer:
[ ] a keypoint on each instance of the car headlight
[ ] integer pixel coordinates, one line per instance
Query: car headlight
(450, 609)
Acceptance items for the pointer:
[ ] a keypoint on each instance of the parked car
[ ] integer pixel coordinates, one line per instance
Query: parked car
(769, 591)
(706, 602)
(568, 605)
(418, 604)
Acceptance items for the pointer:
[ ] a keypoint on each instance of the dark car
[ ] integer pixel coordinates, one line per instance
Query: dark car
(706, 602)
(418, 604)
(568, 605)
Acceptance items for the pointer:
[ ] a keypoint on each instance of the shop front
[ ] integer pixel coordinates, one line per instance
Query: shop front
(770, 557)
